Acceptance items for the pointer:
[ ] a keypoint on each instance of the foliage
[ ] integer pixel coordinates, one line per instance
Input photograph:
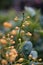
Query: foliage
(17, 30)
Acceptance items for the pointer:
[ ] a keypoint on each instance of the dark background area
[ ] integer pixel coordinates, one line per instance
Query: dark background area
(6, 4)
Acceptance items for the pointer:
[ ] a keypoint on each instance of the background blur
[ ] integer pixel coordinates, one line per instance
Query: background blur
(6, 4)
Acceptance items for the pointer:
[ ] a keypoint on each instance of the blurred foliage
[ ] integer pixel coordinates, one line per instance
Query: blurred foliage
(20, 30)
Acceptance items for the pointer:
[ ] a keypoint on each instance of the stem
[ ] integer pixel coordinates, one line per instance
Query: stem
(20, 28)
